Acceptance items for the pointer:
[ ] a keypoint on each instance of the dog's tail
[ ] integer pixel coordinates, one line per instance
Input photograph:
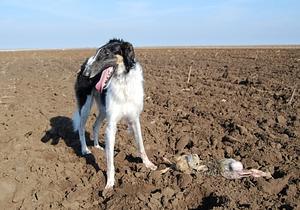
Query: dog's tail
(76, 120)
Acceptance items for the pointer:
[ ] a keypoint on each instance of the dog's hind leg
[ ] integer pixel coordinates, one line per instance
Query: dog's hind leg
(84, 113)
(98, 122)
(135, 123)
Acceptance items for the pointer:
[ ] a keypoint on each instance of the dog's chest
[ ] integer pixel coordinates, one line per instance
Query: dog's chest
(126, 93)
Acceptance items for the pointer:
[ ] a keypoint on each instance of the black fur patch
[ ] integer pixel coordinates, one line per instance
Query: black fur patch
(84, 86)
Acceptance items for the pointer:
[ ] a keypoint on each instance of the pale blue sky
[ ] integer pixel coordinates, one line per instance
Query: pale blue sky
(90, 23)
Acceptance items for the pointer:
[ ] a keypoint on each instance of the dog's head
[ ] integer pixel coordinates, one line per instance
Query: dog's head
(96, 64)
(101, 67)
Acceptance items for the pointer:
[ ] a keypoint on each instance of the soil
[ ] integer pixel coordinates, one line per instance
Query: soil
(216, 103)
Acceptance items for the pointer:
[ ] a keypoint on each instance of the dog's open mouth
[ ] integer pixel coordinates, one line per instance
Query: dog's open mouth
(107, 74)
(105, 79)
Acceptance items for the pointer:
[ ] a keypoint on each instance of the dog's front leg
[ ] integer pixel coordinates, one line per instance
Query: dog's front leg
(135, 123)
(109, 152)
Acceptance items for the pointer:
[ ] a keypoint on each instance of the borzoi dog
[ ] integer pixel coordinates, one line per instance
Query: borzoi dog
(113, 78)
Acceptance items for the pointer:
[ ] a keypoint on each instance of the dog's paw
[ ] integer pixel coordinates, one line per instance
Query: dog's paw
(107, 192)
(85, 151)
(98, 147)
(150, 165)
(108, 189)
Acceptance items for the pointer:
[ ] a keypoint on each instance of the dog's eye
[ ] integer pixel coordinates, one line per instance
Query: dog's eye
(106, 52)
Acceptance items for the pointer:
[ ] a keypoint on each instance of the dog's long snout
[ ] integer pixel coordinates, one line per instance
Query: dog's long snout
(101, 65)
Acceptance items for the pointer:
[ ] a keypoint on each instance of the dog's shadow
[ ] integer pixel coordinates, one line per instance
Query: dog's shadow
(62, 129)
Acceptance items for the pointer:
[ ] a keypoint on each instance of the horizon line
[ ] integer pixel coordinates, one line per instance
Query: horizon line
(238, 46)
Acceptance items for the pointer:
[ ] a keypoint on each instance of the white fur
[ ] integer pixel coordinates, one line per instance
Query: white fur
(76, 120)
(124, 99)
(125, 94)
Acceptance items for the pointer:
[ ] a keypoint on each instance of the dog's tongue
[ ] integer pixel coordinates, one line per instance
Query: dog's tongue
(104, 76)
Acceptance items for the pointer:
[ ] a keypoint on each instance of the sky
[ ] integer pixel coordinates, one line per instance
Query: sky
(91, 23)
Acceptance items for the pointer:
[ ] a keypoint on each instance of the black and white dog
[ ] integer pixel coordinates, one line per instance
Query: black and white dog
(114, 79)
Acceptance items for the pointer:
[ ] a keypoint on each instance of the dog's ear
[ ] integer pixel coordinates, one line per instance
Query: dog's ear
(128, 54)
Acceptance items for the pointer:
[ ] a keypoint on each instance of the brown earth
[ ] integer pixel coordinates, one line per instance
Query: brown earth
(240, 93)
